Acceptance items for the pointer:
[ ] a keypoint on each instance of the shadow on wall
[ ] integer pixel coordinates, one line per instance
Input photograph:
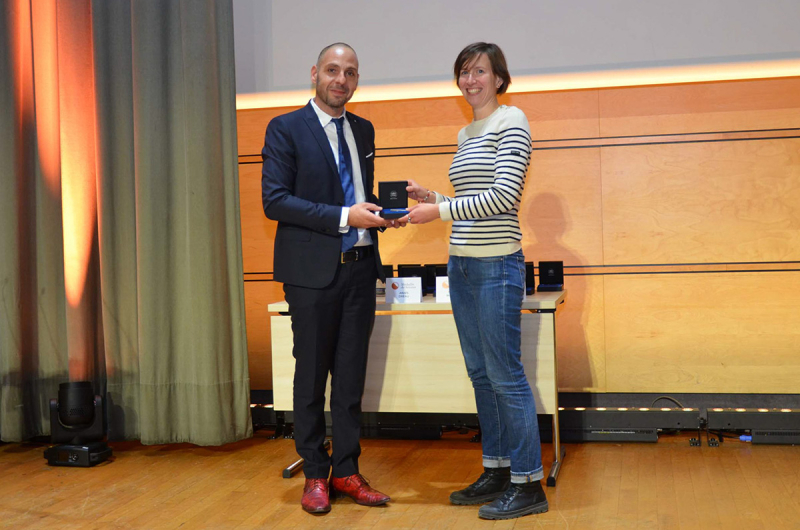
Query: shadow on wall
(546, 213)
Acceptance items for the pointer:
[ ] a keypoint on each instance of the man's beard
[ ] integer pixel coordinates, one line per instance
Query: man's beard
(334, 102)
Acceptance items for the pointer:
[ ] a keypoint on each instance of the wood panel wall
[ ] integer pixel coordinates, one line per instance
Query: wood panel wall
(676, 210)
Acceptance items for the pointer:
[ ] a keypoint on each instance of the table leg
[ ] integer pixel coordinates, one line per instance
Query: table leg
(559, 451)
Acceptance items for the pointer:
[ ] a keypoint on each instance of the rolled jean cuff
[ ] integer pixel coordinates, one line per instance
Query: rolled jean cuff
(494, 462)
(524, 478)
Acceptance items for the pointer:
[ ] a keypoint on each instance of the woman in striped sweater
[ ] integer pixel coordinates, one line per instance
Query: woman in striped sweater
(487, 283)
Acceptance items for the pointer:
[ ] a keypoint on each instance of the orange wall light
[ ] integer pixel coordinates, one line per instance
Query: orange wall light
(77, 138)
(48, 134)
(546, 82)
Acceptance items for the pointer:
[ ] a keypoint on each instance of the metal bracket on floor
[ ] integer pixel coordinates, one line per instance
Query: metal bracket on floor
(713, 442)
(555, 468)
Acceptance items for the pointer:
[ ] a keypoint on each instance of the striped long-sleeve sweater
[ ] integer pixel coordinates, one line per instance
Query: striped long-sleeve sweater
(488, 175)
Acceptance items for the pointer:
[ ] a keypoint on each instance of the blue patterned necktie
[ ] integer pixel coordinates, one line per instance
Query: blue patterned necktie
(346, 176)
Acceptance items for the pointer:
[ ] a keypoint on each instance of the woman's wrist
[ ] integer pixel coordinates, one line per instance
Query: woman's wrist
(427, 196)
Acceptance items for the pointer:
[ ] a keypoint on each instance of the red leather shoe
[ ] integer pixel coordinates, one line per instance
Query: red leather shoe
(315, 496)
(357, 488)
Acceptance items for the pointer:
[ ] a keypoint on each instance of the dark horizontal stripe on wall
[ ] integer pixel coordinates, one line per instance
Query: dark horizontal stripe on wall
(688, 264)
(664, 268)
(787, 130)
(415, 147)
(418, 151)
(663, 142)
(258, 276)
(596, 142)
(681, 268)
(417, 154)
(718, 271)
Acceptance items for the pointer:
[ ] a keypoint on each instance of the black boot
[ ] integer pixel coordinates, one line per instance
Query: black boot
(490, 485)
(518, 500)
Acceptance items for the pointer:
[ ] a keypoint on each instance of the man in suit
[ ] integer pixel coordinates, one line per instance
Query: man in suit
(317, 182)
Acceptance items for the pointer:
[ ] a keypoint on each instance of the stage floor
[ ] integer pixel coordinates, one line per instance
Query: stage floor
(601, 486)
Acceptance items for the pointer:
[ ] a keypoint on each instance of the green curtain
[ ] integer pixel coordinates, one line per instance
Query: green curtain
(171, 311)
(33, 343)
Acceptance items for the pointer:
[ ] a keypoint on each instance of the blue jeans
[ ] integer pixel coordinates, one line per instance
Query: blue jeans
(486, 295)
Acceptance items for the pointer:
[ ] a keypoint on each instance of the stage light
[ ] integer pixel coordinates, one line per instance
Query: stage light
(766, 426)
(77, 423)
(623, 424)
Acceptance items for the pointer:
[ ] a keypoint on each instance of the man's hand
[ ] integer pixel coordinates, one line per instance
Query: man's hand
(398, 223)
(361, 216)
(423, 213)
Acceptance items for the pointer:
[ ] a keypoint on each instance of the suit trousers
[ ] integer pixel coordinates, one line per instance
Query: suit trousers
(331, 328)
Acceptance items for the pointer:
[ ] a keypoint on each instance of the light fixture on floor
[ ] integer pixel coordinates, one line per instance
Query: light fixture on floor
(623, 424)
(766, 426)
(76, 422)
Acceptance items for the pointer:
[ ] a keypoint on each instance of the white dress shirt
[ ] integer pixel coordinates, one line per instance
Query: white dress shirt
(329, 127)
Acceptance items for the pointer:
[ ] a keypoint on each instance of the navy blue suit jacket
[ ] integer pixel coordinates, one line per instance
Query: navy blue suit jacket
(300, 188)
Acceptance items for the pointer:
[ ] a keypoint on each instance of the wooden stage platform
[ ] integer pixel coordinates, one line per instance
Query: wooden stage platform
(602, 486)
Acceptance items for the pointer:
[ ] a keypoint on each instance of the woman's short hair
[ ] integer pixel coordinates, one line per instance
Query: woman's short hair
(496, 59)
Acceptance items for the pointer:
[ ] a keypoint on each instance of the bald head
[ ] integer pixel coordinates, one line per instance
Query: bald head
(325, 50)
(336, 77)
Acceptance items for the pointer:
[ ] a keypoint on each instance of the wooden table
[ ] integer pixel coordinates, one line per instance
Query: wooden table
(415, 361)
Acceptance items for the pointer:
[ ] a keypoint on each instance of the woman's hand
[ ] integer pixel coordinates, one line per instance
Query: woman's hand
(416, 192)
(423, 213)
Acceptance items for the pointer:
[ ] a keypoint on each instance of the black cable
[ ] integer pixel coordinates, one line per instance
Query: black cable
(731, 435)
(669, 398)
